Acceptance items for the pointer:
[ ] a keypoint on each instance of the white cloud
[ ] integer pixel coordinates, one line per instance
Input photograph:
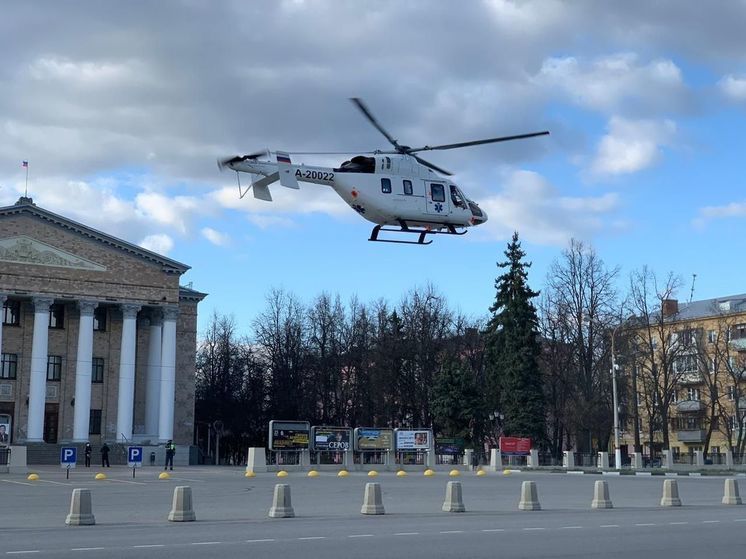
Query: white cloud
(531, 205)
(161, 243)
(733, 87)
(617, 83)
(269, 221)
(215, 237)
(711, 213)
(173, 211)
(631, 145)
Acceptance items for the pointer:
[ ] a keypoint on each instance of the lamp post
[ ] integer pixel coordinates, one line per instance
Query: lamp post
(617, 450)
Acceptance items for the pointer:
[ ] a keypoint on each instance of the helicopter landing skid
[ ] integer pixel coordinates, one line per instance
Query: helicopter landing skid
(417, 231)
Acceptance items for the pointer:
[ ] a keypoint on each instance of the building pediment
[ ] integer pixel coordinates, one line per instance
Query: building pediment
(25, 250)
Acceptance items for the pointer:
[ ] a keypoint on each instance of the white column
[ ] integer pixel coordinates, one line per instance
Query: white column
(3, 298)
(37, 391)
(153, 380)
(83, 370)
(126, 402)
(168, 374)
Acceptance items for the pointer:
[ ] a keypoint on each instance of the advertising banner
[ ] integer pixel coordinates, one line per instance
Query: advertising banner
(415, 439)
(452, 447)
(331, 438)
(515, 446)
(289, 435)
(5, 430)
(374, 439)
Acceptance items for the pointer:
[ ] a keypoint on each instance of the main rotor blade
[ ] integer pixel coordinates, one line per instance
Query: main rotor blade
(433, 167)
(479, 142)
(222, 163)
(373, 121)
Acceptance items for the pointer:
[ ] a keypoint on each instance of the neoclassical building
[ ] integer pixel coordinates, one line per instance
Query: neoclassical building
(98, 339)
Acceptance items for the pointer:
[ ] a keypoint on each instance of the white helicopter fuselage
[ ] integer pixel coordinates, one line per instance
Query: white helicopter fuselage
(385, 189)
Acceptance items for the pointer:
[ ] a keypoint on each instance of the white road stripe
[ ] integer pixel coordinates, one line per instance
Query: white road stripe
(54, 482)
(20, 552)
(87, 549)
(710, 521)
(533, 529)
(494, 530)
(206, 543)
(452, 532)
(678, 523)
(407, 534)
(187, 479)
(570, 527)
(257, 541)
(609, 526)
(360, 536)
(127, 481)
(645, 524)
(313, 538)
(149, 545)
(16, 482)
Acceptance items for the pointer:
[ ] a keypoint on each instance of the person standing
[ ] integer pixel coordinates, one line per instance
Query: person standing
(170, 451)
(105, 456)
(87, 453)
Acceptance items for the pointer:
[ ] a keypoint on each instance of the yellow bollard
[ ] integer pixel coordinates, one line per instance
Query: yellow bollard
(164, 475)
(282, 473)
(343, 473)
(33, 477)
(372, 473)
(250, 473)
(99, 476)
(454, 473)
(481, 473)
(401, 473)
(428, 473)
(313, 473)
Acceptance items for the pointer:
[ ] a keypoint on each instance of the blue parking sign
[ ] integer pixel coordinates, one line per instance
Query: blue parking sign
(134, 456)
(68, 456)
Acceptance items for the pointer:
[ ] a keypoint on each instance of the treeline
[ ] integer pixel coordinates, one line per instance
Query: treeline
(417, 363)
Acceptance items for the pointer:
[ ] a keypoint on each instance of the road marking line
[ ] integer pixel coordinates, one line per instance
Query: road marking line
(494, 530)
(645, 524)
(150, 545)
(710, 521)
(570, 527)
(87, 548)
(313, 538)
(360, 536)
(53, 482)
(452, 532)
(19, 552)
(407, 534)
(187, 479)
(532, 529)
(609, 526)
(739, 520)
(257, 541)
(16, 482)
(206, 543)
(127, 481)
(678, 523)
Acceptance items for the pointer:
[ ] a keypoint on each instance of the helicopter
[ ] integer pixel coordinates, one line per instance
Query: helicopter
(395, 189)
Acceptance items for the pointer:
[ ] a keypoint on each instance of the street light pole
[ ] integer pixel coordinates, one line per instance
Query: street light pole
(617, 450)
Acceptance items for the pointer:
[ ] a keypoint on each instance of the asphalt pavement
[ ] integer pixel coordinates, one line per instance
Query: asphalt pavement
(232, 517)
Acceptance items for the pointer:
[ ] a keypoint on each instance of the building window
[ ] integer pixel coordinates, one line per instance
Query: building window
(54, 367)
(407, 187)
(57, 316)
(386, 186)
(94, 422)
(731, 392)
(692, 394)
(12, 313)
(99, 319)
(711, 336)
(686, 364)
(9, 366)
(97, 369)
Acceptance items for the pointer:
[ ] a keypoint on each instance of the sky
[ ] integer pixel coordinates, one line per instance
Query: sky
(122, 108)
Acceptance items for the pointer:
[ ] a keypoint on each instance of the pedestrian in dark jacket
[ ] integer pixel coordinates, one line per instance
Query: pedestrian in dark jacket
(87, 452)
(170, 451)
(105, 456)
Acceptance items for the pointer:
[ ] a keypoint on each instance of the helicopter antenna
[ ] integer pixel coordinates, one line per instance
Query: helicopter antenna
(691, 293)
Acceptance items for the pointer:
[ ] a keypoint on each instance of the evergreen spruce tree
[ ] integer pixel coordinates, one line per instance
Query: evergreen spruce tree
(514, 377)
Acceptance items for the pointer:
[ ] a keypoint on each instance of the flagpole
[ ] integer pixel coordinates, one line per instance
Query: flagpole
(25, 192)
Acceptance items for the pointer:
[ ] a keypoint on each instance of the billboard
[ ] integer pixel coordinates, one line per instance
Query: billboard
(449, 446)
(414, 439)
(331, 438)
(515, 446)
(374, 439)
(289, 435)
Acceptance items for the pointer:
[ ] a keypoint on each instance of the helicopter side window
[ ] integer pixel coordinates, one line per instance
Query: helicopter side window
(388, 162)
(457, 198)
(407, 187)
(438, 192)
(386, 186)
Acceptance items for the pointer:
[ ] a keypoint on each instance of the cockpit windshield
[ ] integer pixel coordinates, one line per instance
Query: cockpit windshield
(457, 198)
(475, 209)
